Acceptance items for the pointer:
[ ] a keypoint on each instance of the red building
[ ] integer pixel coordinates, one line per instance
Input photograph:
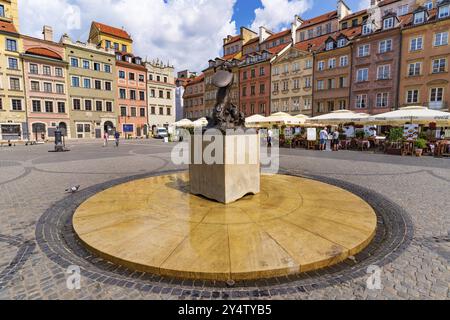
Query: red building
(132, 96)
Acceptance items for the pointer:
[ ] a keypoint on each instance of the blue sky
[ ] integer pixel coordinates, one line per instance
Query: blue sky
(244, 10)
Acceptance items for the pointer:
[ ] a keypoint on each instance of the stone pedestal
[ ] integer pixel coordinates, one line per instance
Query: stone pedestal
(232, 172)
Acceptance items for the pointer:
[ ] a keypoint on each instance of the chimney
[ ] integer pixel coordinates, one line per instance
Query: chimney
(294, 26)
(48, 33)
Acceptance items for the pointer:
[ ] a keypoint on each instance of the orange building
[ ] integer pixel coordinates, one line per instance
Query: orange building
(194, 107)
(132, 96)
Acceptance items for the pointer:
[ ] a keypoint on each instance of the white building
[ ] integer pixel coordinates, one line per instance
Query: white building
(161, 94)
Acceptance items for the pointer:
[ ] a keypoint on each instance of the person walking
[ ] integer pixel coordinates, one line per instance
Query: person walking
(323, 139)
(336, 140)
(117, 137)
(105, 139)
(269, 138)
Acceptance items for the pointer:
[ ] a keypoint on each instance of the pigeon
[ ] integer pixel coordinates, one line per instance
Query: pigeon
(73, 189)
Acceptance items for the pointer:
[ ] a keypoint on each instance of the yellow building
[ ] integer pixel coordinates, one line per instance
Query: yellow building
(9, 12)
(13, 119)
(110, 37)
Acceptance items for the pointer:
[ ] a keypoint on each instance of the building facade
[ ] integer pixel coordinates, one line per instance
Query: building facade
(108, 37)
(132, 96)
(45, 75)
(161, 94)
(92, 77)
(13, 119)
(292, 78)
(424, 76)
(194, 107)
(9, 12)
(376, 66)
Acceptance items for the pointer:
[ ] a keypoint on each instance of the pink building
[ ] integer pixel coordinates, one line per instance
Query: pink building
(46, 88)
(132, 96)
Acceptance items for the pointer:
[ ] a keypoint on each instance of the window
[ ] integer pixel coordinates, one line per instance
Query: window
(122, 94)
(14, 84)
(109, 107)
(412, 96)
(367, 28)
(36, 104)
(142, 112)
(11, 45)
(276, 88)
(253, 73)
(364, 50)
(436, 94)
(124, 48)
(86, 64)
(321, 65)
(107, 44)
(108, 86)
(342, 42)
(320, 85)
(441, 39)
(133, 111)
(296, 67)
(76, 104)
(428, 5)
(330, 45)
(61, 107)
(342, 104)
(362, 75)
(382, 100)
(416, 44)
(87, 83)
(107, 68)
(252, 90)
(88, 105)
(74, 62)
(142, 78)
(142, 95)
(444, 11)
(332, 63)
(414, 69)
(262, 71)
(158, 78)
(116, 46)
(308, 82)
(98, 85)
(385, 46)
(47, 71)
(308, 64)
(75, 82)
(16, 104)
(121, 74)
(161, 111)
(384, 72)
(123, 111)
(331, 84)
(419, 17)
(296, 83)
(34, 69)
(99, 106)
(343, 61)
(402, 10)
(59, 88)
(13, 64)
(59, 72)
(439, 65)
(342, 82)
(165, 79)
(262, 88)
(132, 95)
(361, 101)
(96, 66)
(153, 110)
(307, 103)
(49, 106)
(131, 76)
(388, 23)
(2, 11)
(35, 86)
(168, 95)
(161, 94)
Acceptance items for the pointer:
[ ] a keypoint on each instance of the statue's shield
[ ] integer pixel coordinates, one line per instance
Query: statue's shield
(222, 78)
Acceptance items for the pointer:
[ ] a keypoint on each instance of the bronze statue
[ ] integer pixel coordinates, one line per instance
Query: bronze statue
(225, 114)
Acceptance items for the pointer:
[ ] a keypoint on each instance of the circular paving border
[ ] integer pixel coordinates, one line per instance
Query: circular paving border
(56, 238)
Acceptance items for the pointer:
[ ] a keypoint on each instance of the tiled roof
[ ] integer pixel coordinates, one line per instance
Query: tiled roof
(8, 27)
(252, 41)
(196, 80)
(278, 35)
(233, 39)
(116, 32)
(232, 56)
(312, 44)
(358, 13)
(278, 49)
(319, 19)
(386, 2)
(43, 52)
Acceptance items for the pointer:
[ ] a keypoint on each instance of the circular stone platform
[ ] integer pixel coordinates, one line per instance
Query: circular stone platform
(294, 225)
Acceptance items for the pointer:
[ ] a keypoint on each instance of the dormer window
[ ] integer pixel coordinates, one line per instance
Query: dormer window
(138, 61)
(342, 42)
(444, 11)
(118, 57)
(367, 28)
(388, 23)
(428, 5)
(128, 59)
(330, 45)
(419, 17)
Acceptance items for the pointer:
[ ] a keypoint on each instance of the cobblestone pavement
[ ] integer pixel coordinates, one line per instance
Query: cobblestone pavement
(32, 182)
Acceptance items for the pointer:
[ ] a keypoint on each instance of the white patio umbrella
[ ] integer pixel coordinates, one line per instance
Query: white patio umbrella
(283, 119)
(414, 115)
(340, 117)
(255, 121)
(202, 122)
(185, 123)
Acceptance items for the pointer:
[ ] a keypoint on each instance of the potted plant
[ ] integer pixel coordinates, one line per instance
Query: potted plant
(420, 145)
(395, 136)
(288, 142)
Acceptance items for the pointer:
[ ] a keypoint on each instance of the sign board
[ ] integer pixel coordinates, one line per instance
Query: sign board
(128, 128)
(312, 134)
(411, 132)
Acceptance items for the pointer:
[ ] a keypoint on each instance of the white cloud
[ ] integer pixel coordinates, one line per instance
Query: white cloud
(186, 32)
(278, 14)
(364, 4)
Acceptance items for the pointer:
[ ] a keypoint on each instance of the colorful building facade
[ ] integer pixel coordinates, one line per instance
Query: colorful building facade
(194, 107)
(108, 37)
(132, 96)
